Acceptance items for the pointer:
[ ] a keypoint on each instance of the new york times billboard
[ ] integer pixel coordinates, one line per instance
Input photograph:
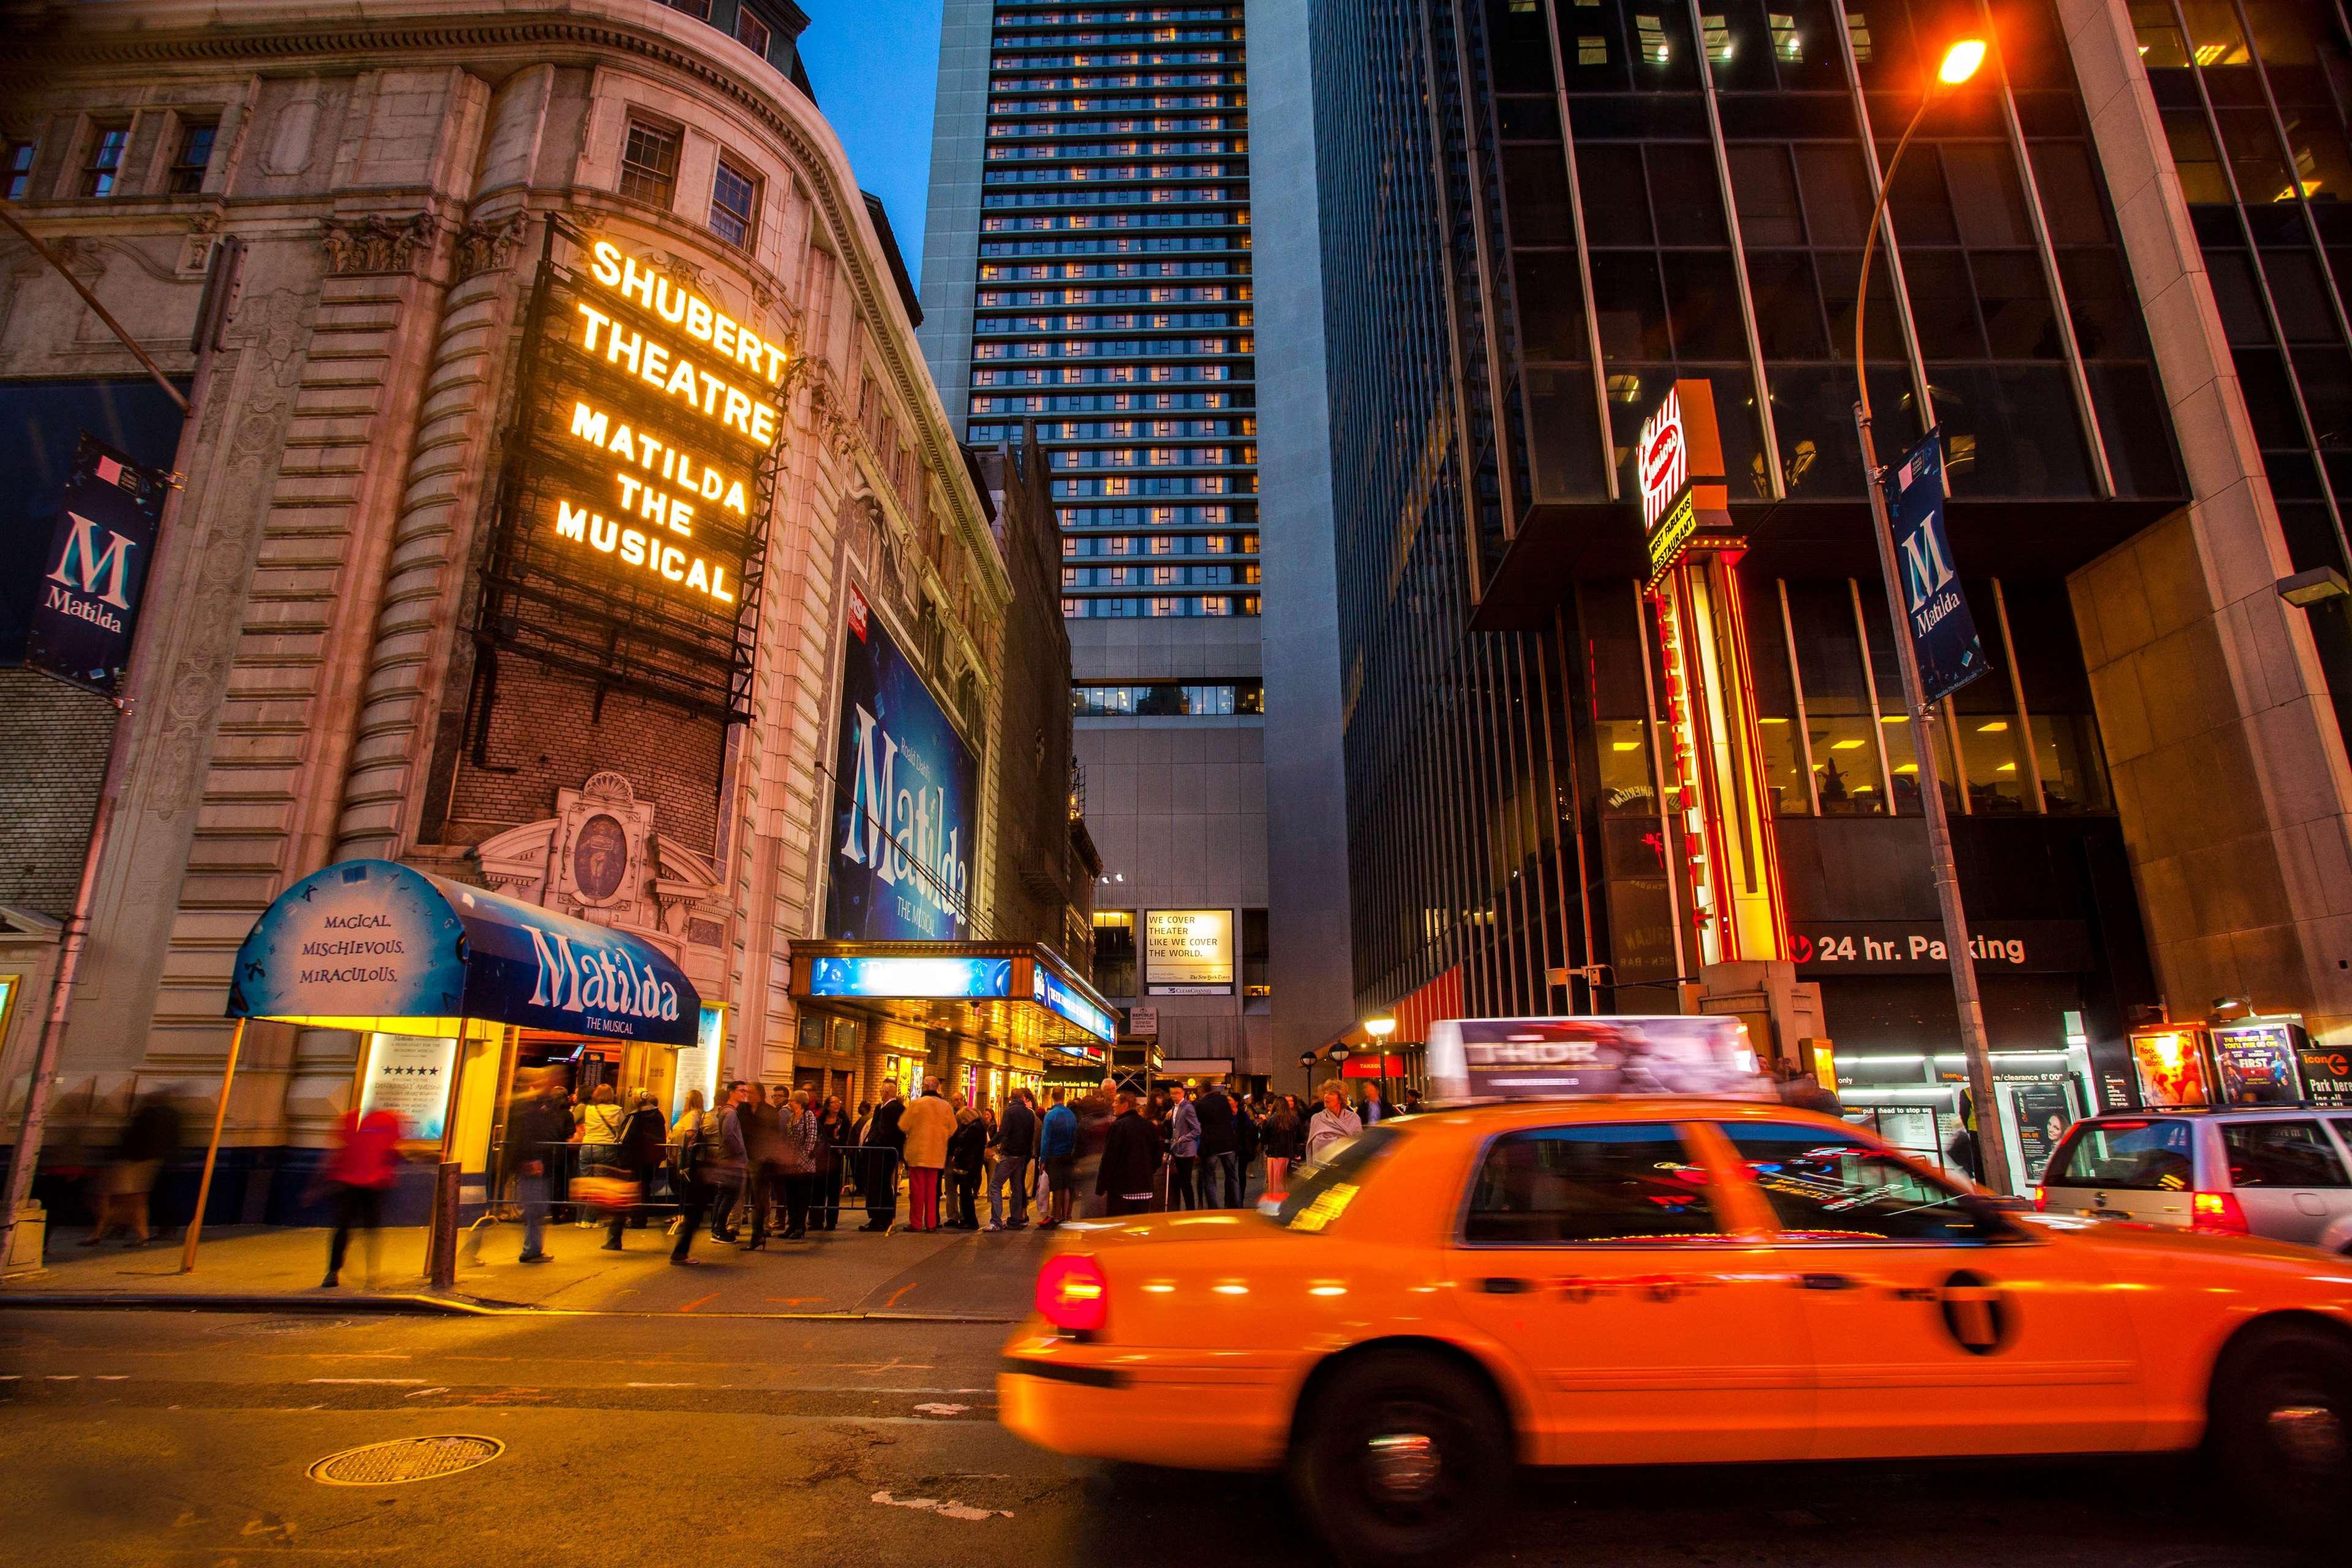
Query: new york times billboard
(904, 792)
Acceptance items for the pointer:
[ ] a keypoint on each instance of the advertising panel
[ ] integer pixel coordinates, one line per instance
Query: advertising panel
(2171, 1066)
(1943, 633)
(906, 801)
(946, 978)
(2326, 1073)
(2258, 1062)
(410, 1075)
(1065, 1002)
(2043, 1114)
(1188, 952)
(1553, 1058)
(86, 605)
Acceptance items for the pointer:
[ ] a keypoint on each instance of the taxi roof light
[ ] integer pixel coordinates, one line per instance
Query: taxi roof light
(1073, 1294)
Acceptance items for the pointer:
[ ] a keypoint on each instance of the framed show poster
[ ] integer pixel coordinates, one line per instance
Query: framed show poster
(2171, 1063)
(410, 1075)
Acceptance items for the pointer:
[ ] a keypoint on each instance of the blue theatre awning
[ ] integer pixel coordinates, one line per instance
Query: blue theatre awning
(368, 944)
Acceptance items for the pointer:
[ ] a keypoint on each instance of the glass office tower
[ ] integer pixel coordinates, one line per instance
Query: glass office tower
(1696, 786)
(2254, 102)
(1087, 271)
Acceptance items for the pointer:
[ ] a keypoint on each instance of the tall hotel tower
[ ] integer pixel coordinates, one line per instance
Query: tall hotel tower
(1087, 267)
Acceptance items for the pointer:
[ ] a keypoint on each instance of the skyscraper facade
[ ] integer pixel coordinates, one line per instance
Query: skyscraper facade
(1592, 763)
(1087, 272)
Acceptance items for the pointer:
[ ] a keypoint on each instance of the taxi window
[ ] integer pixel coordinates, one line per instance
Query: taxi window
(1326, 1189)
(1824, 1188)
(2150, 1156)
(1633, 1183)
(2280, 1155)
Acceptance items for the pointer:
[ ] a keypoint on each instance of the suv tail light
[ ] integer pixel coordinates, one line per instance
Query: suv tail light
(2218, 1213)
(2040, 1199)
(1072, 1293)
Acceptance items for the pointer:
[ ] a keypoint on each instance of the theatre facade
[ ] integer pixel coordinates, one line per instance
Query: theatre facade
(563, 513)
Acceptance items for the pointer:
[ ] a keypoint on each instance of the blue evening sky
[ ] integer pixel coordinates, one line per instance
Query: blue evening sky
(875, 66)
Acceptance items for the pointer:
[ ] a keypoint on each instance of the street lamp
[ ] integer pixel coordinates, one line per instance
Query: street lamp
(1960, 63)
(1380, 1028)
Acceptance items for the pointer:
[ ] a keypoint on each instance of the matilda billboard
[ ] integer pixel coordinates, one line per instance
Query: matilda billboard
(904, 801)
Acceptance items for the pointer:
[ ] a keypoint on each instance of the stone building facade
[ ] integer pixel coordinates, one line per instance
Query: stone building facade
(323, 677)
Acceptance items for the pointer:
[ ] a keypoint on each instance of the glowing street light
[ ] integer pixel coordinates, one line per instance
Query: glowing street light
(1960, 62)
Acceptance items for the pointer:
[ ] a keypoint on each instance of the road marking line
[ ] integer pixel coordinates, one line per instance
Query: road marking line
(111, 1377)
(65, 1377)
(659, 1385)
(950, 1510)
(690, 1305)
(391, 1380)
(893, 1301)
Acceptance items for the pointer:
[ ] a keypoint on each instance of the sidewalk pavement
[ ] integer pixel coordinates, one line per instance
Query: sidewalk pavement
(944, 1276)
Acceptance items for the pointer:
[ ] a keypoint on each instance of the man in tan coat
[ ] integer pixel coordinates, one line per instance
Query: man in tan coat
(927, 1123)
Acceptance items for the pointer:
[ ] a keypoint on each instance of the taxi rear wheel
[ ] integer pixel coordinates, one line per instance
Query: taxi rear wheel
(1401, 1458)
(2282, 1427)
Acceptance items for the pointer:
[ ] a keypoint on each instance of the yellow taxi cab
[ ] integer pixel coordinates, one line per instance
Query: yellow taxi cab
(1665, 1279)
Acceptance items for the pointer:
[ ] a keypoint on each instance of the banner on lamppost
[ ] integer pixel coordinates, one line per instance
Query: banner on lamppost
(1943, 633)
(86, 605)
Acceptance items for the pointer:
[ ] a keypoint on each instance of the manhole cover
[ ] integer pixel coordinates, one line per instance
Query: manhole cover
(406, 1460)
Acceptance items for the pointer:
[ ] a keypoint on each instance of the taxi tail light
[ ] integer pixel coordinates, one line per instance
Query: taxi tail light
(2218, 1213)
(1072, 1293)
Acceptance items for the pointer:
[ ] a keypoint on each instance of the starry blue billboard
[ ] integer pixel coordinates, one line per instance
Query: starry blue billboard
(904, 801)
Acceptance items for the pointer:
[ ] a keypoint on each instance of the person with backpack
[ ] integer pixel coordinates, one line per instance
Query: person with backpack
(967, 1157)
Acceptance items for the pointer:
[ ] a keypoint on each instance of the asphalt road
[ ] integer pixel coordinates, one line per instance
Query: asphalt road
(168, 1438)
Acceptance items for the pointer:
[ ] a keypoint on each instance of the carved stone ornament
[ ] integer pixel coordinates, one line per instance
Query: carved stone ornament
(358, 246)
(488, 247)
(196, 248)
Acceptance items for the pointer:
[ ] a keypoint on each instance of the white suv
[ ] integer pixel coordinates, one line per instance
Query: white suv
(2281, 1172)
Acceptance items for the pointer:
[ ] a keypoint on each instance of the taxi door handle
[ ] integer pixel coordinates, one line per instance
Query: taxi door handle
(1503, 1285)
(1828, 1282)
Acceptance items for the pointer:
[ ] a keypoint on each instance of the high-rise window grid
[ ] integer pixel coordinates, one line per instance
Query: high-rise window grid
(1117, 160)
(2262, 151)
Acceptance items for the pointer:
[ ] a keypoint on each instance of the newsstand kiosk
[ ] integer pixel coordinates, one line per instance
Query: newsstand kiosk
(445, 985)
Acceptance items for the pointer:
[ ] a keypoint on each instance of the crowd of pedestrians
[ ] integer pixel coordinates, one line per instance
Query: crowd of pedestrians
(781, 1162)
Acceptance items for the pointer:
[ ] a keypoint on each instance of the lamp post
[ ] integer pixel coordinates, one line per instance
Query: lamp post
(1960, 62)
